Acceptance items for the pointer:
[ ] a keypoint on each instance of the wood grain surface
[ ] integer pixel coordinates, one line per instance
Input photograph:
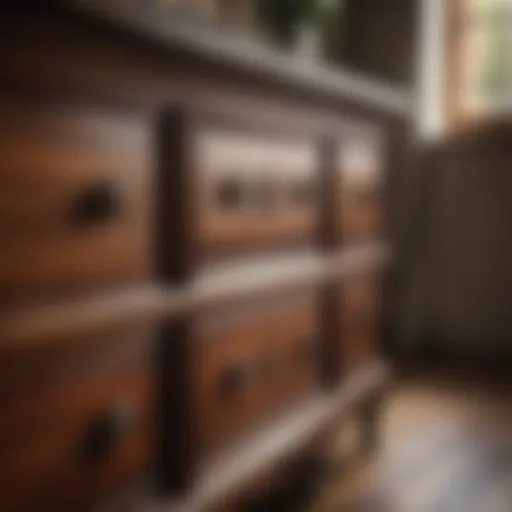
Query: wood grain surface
(75, 201)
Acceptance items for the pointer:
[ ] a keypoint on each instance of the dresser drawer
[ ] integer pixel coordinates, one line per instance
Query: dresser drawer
(254, 191)
(360, 320)
(360, 207)
(74, 202)
(251, 363)
(232, 185)
(70, 439)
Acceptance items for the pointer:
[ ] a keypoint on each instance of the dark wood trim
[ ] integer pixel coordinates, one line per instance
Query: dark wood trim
(329, 183)
(177, 251)
(176, 434)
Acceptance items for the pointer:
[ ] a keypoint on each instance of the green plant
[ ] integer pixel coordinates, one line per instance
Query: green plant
(287, 15)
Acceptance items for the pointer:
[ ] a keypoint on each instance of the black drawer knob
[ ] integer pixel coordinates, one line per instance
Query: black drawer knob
(230, 194)
(107, 431)
(96, 204)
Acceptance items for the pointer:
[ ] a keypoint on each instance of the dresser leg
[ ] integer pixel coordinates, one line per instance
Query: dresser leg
(369, 417)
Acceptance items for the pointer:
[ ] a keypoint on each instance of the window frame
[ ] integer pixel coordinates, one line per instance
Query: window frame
(458, 114)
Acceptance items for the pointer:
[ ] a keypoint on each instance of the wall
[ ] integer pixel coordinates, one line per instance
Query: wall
(455, 268)
(381, 38)
(459, 275)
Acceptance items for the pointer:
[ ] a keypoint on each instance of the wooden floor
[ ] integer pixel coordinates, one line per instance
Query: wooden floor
(446, 447)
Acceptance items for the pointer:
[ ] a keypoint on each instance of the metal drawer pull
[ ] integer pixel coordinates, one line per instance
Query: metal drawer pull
(98, 203)
(107, 431)
(231, 194)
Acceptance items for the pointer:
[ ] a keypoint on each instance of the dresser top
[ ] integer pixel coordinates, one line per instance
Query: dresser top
(247, 56)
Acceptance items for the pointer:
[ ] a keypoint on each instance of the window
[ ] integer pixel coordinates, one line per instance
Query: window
(480, 57)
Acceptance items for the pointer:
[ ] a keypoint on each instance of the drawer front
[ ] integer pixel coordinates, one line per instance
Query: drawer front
(71, 441)
(254, 192)
(253, 365)
(74, 202)
(360, 320)
(360, 208)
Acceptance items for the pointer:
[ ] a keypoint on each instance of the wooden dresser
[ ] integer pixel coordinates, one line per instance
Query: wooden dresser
(194, 237)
